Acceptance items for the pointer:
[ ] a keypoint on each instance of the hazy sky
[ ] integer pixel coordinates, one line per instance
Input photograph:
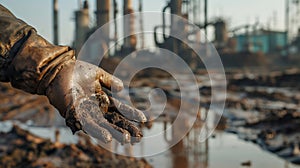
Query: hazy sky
(38, 13)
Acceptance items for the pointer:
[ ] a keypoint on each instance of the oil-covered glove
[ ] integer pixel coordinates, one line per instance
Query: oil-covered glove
(77, 91)
(75, 88)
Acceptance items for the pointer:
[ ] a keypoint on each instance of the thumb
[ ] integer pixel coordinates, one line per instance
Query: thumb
(109, 81)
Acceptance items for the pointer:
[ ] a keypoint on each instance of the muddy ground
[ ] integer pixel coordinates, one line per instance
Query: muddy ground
(263, 108)
(20, 148)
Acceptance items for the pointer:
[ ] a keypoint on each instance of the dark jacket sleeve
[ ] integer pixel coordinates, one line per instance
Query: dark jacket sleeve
(27, 60)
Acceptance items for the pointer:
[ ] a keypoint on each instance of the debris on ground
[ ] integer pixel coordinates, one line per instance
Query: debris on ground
(19, 148)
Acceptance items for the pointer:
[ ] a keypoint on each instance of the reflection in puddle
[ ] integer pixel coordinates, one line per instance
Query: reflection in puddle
(221, 150)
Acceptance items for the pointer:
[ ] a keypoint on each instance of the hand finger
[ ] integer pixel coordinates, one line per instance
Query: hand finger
(86, 111)
(127, 111)
(109, 81)
(94, 130)
(118, 133)
(122, 122)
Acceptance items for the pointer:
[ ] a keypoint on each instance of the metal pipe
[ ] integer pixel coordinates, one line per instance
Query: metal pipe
(141, 23)
(115, 24)
(287, 9)
(287, 22)
(205, 17)
(55, 22)
(164, 20)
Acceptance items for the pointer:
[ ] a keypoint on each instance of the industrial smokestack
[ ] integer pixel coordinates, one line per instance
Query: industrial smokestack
(177, 26)
(55, 22)
(175, 9)
(129, 42)
(82, 21)
(205, 16)
(102, 15)
(141, 24)
(221, 35)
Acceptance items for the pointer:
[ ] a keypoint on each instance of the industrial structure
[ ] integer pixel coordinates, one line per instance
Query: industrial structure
(246, 38)
(265, 41)
(102, 15)
(81, 25)
(55, 22)
(249, 38)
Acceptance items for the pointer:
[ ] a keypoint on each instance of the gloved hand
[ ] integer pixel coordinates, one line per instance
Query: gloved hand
(75, 88)
(77, 92)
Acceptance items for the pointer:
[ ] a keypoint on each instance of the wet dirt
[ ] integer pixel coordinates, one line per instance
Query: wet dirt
(260, 108)
(20, 148)
(265, 109)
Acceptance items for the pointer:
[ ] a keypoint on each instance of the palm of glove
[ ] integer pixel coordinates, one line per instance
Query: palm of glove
(80, 93)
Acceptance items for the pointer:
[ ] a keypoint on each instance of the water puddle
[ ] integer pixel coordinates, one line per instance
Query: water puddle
(221, 150)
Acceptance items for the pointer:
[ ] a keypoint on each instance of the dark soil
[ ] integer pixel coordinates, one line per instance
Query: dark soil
(20, 148)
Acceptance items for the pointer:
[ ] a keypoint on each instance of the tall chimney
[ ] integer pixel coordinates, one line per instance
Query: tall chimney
(55, 22)
(82, 22)
(129, 42)
(102, 15)
(175, 9)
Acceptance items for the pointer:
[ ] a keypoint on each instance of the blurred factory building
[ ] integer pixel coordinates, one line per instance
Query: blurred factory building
(249, 38)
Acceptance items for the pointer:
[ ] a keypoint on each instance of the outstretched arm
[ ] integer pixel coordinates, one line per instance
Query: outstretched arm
(32, 64)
